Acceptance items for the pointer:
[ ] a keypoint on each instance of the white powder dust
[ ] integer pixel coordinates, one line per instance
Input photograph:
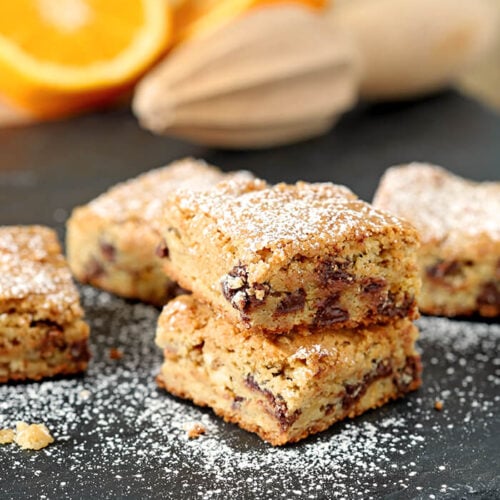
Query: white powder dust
(117, 435)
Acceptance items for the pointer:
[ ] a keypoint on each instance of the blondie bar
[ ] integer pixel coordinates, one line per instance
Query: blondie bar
(291, 256)
(42, 333)
(459, 225)
(112, 242)
(283, 387)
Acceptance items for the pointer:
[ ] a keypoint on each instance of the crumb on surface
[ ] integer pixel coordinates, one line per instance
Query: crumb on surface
(115, 353)
(32, 436)
(438, 405)
(195, 430)
(85, 394)
(6, 436)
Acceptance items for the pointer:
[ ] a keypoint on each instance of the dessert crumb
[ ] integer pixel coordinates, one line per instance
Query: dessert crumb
(32, 437)
(438, 405)
(85, 394)
(6, 436)
(115, 353)
(195, 430)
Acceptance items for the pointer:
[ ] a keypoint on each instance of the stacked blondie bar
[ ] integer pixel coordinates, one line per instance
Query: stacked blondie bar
(42, 332)
(302, 305)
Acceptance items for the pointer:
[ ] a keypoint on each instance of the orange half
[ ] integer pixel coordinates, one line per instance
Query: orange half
(61, 56)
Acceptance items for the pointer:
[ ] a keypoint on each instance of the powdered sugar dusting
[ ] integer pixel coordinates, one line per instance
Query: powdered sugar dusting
(439, 203)
(307, 352)
(298, 215)
(32, 267)
(143, 197)
(116, 432)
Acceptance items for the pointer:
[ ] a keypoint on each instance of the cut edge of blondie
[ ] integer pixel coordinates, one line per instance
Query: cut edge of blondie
(365, 275)
(283, 387)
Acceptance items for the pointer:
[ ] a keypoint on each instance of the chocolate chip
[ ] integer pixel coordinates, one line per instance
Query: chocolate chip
(162, 249)
(329, 408)
(53, 339)
(199, 346)
(390, 308)
(251, 383)
(234, 281)
(373, 285)
(383, 369)
(354, 392)
(374, 291)
(292, 302)
(236, 404)
(108, 251)
(408, 374)
(236, 289)
(329, 312)
(277, 404)
(443, 269)
(489, 295)
(332, 274)
(47, 323)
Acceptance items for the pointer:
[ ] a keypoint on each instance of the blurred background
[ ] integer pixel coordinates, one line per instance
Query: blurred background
(93, 92)
(240, 73)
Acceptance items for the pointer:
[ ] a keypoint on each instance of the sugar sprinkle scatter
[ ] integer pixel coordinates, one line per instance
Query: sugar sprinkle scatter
(446, 203)
(32, 265)
(298, 216)
(117, 435)
(142, 198)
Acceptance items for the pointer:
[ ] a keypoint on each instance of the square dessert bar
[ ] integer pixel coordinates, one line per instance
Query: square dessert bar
(459, 225)
(42, 333)
(283, 387)
(111, 242)
(291, 256)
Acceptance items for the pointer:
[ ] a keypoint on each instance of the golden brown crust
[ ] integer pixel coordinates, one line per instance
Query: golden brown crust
(459, 225)
(285, 220)
(283, 387)
(112, 241)
(34, 276)
(117, 257)
(42, 332)
(304, 255)
(142, 198)
(459, 216)
(35, 350)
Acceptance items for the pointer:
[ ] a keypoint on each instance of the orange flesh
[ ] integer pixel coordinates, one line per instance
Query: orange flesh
(75, 39)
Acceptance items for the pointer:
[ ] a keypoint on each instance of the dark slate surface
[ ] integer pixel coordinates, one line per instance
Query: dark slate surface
(45, 170)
